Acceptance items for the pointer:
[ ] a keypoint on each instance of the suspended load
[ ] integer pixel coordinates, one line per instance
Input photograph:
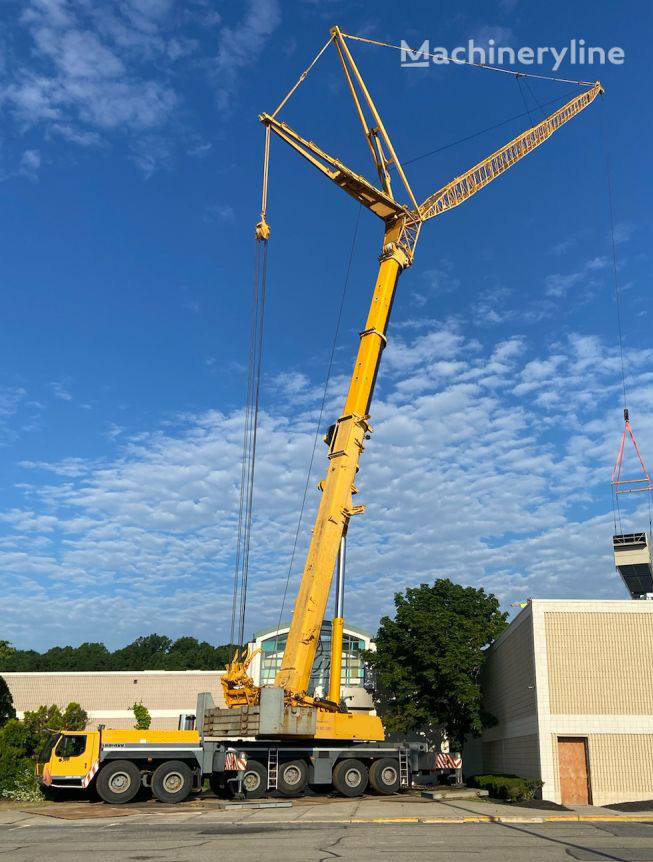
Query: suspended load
(632, 551)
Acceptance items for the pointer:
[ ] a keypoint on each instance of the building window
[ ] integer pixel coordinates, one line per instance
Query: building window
(352, 661)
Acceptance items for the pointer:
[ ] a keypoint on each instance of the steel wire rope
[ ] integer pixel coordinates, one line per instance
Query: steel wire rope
(523, 96)
(249, 448)
(318, 425)
(616, 508)
(485, 130)
(258, 360)
(458, 62)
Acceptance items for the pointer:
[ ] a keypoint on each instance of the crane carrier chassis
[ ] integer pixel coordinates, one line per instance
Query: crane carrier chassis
(117, 764)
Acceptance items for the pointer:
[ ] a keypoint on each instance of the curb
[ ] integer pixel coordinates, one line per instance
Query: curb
(481, 818)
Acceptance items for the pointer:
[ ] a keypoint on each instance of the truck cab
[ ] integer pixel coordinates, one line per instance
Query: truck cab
(68, 758)
(119, 762)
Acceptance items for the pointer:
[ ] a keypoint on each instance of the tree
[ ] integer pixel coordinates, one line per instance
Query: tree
(429, 657)
(15, 762)
(38, 725)
(7, 710)
(152, 652)
(6, 652)
(74, 717)
(142, 716)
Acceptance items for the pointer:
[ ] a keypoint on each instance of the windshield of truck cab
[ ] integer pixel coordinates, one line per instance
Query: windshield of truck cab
(71, 746)
(46, 751)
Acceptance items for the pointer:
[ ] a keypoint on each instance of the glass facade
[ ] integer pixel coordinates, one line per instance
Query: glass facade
(352, 660)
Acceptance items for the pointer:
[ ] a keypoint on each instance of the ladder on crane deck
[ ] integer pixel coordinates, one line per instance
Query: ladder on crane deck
(403, 768)
(273, 768)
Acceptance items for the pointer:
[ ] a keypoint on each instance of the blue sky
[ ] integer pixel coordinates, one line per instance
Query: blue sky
(130, 172)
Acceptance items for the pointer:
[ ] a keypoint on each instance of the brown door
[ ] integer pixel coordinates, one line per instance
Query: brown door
(574, 780)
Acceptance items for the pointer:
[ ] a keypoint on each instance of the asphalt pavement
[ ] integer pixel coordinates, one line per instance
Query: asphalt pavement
(316, 830)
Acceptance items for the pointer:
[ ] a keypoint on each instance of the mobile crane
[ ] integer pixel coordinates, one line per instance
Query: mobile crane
(280, 737)
(346, 438)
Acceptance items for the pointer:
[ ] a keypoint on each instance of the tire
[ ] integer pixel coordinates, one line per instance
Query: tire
(118, 782)
(293, 777)
(350, 777)
(255, 781)
(384, 776)
(172, 781)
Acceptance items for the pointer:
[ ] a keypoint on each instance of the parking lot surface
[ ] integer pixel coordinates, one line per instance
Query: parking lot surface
(320, 829)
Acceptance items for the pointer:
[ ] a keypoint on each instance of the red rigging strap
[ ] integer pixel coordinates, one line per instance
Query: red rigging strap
(617, 481)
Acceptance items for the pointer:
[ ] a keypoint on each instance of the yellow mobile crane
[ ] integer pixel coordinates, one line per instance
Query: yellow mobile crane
(325, 718)
(279, 737)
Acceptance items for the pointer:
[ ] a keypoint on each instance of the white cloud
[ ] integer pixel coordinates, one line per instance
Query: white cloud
(30, 162)
(239, 46)
(222, 212)
(489, 465)
(558, 285)
(85, 71)
(60, 390)
(10, 398)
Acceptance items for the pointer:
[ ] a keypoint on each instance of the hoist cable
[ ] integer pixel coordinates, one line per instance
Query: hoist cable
(521, 93)
(615, 268)
(254, 431)
(484, 131)
(616, 508)
(533, 96)
(245, 458)
(318, 424)
(457, 62)
(250, 426)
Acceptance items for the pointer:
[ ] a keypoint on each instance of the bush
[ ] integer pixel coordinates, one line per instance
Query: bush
(508, 787)
(16, 767)
(142, 716)
(22, 741)
(25, 787)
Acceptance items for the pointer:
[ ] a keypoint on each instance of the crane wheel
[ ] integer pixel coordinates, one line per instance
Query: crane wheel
(172, 781)
(350, 777)
(118, 782)
(255, 781)
(384, 776)
(293, 777)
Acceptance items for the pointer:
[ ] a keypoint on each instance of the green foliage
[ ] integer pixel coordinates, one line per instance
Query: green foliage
(153, 652)
(74, 717)
(22, 741)
(142, 716)
(508, 787)
(7, 710)
(25, 787)
(429, 657)
(41, 721)
(6, 650)
(16, 764)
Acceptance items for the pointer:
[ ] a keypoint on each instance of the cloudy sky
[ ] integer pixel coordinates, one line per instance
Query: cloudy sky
(130, 171)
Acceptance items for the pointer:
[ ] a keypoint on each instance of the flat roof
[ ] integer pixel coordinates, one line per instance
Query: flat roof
(350, 629)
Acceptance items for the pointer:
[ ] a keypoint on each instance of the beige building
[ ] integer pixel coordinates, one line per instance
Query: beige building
(108, 695)
(571, 684)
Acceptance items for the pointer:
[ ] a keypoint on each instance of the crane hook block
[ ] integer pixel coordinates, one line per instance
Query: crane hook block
(263, 230)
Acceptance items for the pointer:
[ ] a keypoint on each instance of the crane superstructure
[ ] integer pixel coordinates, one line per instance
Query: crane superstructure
(346, 438)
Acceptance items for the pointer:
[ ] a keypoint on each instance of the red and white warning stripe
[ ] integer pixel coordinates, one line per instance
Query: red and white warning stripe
(235, 760)
(91, 774)
(448, 761)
